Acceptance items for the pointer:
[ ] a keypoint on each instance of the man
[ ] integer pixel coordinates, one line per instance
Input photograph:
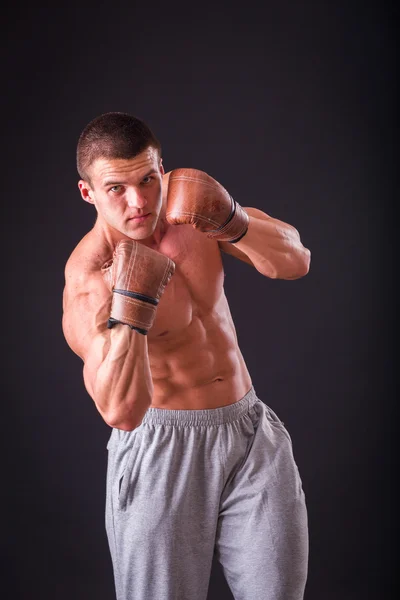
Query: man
(197, 463)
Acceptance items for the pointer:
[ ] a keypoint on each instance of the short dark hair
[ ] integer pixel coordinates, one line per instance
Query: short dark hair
(113, 135)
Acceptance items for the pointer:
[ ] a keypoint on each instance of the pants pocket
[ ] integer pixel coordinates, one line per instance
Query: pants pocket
(128, 479)
(276, 422)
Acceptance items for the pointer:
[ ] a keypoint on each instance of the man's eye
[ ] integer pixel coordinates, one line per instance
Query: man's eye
(147, 179)
(115, 188)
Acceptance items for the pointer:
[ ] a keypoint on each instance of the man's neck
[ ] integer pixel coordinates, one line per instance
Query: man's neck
(113, 236)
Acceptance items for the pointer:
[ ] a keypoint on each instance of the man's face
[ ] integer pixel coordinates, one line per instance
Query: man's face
(127, 193)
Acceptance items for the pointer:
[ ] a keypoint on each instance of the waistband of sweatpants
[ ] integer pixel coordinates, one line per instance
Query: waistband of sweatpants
(206, 416)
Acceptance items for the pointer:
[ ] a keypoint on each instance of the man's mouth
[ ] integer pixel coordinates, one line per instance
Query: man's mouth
(139, 218)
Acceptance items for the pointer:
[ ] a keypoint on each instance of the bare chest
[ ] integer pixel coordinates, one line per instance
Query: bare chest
(196, 285)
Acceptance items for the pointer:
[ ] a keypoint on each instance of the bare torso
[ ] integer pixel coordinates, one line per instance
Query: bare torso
(194, 355)
(193, 350)
(190, 358)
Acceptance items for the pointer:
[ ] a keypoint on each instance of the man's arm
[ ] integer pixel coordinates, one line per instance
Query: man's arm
(116, 368)
(273, 247)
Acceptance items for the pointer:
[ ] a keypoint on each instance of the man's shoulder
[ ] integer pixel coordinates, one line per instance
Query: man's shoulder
(82, 273)
(88, 256)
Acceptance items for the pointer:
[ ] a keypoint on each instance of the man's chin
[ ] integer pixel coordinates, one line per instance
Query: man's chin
(141, 232)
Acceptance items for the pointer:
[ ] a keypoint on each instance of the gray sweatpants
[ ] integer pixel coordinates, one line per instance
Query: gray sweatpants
(190, 484)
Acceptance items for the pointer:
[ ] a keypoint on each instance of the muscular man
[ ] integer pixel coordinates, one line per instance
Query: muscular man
(198, 465)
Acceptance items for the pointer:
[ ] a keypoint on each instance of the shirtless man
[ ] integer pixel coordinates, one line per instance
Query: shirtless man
(198, 465)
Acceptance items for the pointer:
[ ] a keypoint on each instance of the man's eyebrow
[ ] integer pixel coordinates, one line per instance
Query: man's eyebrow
(150, 173)
(107, 182)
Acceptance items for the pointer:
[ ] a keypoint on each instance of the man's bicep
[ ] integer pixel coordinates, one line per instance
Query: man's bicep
(86, 312)
(74, 325)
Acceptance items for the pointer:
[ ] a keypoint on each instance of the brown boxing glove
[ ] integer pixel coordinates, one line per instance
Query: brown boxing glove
(197, 199)
(137, 276)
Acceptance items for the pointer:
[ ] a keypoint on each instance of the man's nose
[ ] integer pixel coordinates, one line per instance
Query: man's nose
(136, 199)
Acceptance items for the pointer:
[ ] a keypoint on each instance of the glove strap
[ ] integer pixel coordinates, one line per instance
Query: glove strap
(133, 309)
(234, 228)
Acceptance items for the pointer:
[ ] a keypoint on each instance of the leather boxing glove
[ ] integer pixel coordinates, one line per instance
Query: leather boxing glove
(195, 198)
(137, 276)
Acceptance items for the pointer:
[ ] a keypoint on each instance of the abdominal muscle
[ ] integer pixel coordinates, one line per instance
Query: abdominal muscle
(199, 366)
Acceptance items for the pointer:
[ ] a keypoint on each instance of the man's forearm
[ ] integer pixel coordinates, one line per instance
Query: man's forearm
(121, 387)
(275, 249)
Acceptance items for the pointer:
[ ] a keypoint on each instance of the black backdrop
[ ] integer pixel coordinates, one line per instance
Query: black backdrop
(291, 107)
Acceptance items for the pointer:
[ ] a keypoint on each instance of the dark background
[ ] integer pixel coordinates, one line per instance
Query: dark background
(291, 106)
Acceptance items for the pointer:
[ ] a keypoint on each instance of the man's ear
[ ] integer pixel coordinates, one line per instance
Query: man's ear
(85, 191)
(161, 167)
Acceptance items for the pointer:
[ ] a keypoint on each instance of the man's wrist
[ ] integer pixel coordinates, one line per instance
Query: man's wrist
(235, 226)
(112, 322)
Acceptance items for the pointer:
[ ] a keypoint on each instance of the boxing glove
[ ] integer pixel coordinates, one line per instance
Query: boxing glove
(137, 276)
(195, 198)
